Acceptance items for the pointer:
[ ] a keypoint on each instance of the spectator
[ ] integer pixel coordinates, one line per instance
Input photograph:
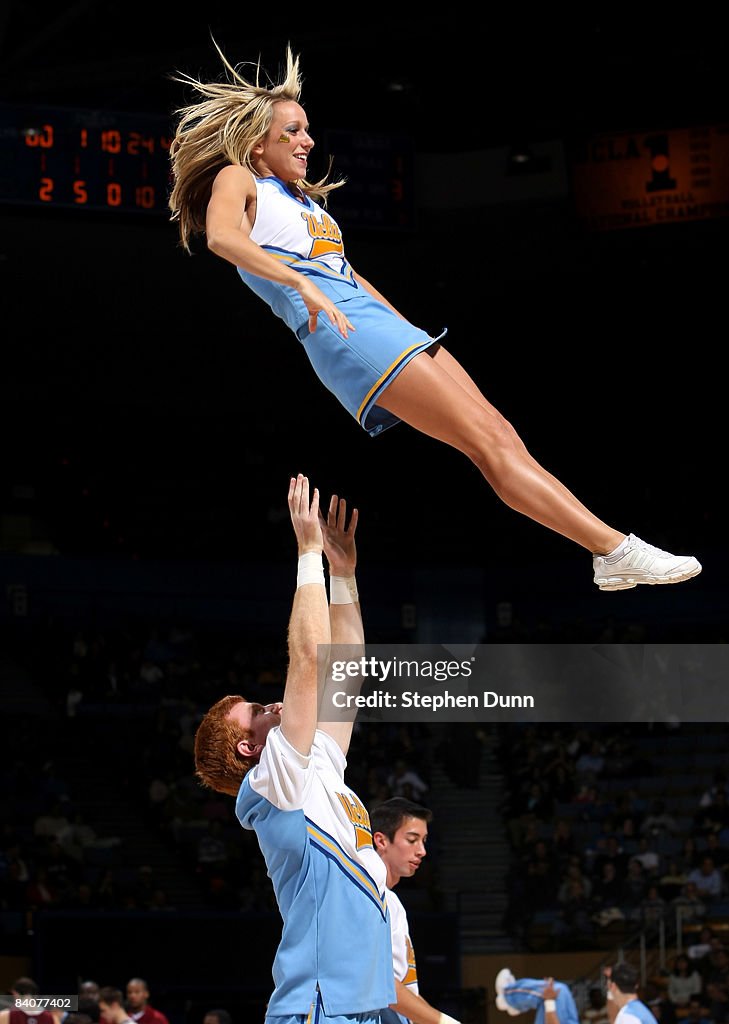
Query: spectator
(596, 1010)
(689, 857)
(540, 886)
(25, 986)
(608, 889)
(720, 784)
(627, 830)
(659, 822)
(217, 1017)
(613, 852)
(404, 781)
(111, 1006)
(573, 875)
(159, 900)
(651, 910)
(717, 851)
(625, 811)
(648, 857)
(690, 904)
(80, 837)
(143, 889)
(702, 948)
(542, 858)
(107, 892)
(714, 817)
(40, 894)
(212, 849)
(538, 803)
(673, 880)
(53, 823)
(61, 870)
(589, 765)
(563, 840)
(708, 880)
(696, 1012)
(587, 796)
(157, 796)
(684, 981)
(634, 886)
(89, 989)
(573, 924)
(81, 897)
(710, 962)
(139, 1006)
(717, 986)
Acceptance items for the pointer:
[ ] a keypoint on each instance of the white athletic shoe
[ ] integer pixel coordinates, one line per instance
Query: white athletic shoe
(642, 563)
(504, 978)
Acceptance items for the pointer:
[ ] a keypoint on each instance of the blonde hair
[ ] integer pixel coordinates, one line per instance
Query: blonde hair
(218, 765)
(222, 128)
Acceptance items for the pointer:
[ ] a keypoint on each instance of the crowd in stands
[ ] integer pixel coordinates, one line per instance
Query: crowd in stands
(615, 823)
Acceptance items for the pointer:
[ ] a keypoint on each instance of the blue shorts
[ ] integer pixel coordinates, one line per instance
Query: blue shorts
(316, 1015)
(359, 368)
(390, 1016)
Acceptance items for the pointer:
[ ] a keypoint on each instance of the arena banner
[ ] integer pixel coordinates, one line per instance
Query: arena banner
(640, 179)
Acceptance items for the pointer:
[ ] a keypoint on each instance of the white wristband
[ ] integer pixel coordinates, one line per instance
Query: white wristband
(311, 569)
(445, 1019)
(343, 590)
(550, 1005)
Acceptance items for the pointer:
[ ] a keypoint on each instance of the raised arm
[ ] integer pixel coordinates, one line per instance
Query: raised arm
(309, 622)
(549, 993)
(345, 614)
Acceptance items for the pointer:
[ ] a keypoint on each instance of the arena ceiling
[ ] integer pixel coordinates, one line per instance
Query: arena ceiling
(458, 77)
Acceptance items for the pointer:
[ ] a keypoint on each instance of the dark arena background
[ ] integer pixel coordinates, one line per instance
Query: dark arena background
(553, 188)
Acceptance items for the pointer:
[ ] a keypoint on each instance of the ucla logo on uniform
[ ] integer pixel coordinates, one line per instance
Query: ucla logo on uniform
(327, 238)
(412, 975)
(357, 814)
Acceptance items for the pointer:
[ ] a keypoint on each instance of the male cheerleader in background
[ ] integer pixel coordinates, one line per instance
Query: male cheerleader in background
(624, 1006)
(399, 830)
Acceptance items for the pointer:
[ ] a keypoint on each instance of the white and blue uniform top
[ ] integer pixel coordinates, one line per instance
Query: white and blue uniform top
(301, 234)
(403, 955)
(316, 839)
(635, 1012)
